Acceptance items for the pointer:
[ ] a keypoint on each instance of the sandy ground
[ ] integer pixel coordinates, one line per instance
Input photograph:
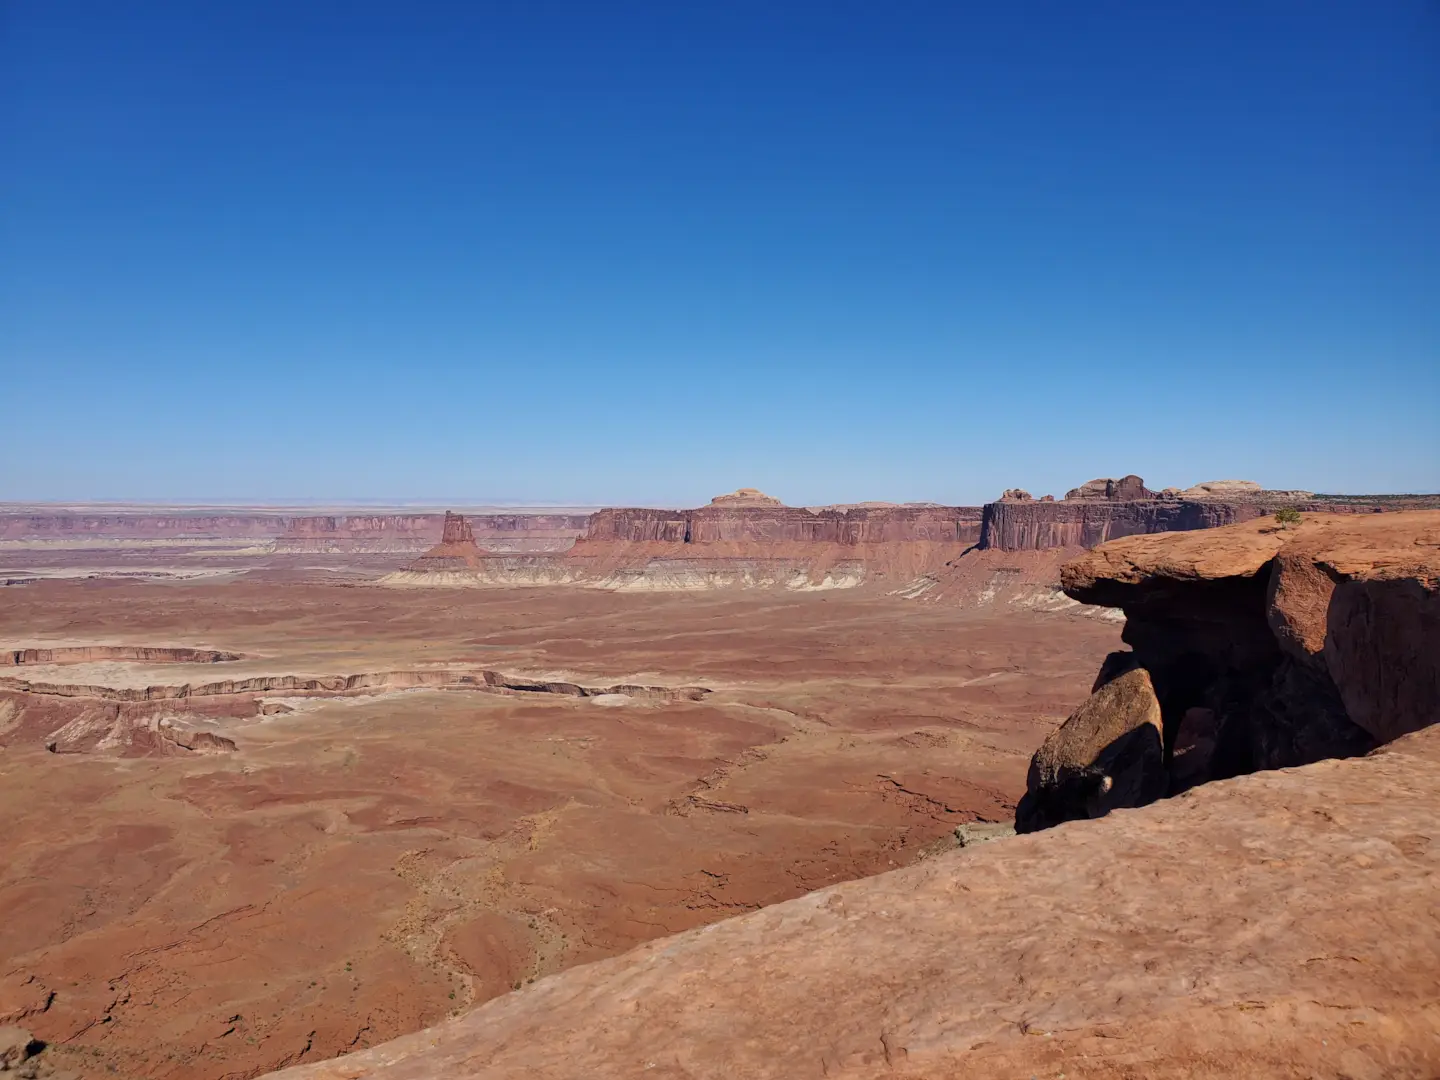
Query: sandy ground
(363, 866)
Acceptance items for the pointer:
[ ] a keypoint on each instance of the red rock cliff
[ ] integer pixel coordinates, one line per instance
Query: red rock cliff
(1254, 647)
(784, 524)
(1105, 510)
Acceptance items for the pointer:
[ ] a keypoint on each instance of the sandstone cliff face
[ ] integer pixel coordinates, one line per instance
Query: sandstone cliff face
(1011, 525)
(356, 533)
(1276, 925)
(722, 546)
(300, 533)
(1266, 647)
(783, 524)
(141, 526)
(1089, 516)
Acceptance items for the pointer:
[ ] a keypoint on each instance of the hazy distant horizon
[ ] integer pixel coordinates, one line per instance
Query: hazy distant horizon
(644, 254)
(474, 504)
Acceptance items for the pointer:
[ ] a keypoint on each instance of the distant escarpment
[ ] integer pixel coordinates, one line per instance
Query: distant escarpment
(1007, 552)
(1107, 509)
(401, 534)
(746, 540)
(1252, 647)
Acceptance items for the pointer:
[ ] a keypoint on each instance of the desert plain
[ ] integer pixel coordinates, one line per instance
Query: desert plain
(364, 863)
(279, 790)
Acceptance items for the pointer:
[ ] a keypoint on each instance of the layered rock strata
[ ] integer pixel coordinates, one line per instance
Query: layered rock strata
(746, 497)
(1263, 647)
(164, 720)
(1105, 509)
(293, 533)
(724, 545)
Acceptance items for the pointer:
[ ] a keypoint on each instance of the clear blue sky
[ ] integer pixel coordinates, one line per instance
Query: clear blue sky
(603, 252)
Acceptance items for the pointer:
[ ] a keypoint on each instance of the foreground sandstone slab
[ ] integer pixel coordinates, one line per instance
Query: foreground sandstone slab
(1283, 924)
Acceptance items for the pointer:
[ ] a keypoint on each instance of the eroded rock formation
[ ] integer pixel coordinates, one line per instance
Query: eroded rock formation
(323, 533)
(749, 539)
(1267, 647)
(723, 545)
(1104, 510)
(1127, 489)
(746, 497)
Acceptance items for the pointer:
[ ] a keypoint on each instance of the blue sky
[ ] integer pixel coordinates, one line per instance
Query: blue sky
(619, 252)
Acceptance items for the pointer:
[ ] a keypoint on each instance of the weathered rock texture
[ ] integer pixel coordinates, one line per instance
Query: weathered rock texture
(724, 545)
(1109, 754)
(746, 497)
(1282, 924)
(1105, 510)
(751, 539)
(1266, 648)
(292, 533)
(1126, 489)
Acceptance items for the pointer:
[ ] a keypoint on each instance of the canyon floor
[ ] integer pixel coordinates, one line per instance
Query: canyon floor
(367, 862)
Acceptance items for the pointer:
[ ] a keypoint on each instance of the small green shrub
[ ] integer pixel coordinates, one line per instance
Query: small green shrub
(1287, 516)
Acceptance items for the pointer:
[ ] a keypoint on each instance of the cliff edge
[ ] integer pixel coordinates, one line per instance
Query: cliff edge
(1281, 924)
(1252, 647)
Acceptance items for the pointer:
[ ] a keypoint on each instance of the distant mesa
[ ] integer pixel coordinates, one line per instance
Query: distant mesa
(1127, 489)
(1222, 489)
(746, 497)
(1239, 489)
(750, 539)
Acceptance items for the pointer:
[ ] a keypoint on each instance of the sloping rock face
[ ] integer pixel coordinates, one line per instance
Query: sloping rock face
(1267, 647)
(1281, 924)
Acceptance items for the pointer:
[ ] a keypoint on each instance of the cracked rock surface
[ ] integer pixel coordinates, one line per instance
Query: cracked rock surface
(1282, 924)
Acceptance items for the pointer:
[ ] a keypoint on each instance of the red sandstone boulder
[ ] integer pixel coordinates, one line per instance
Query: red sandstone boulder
(1108, 754)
